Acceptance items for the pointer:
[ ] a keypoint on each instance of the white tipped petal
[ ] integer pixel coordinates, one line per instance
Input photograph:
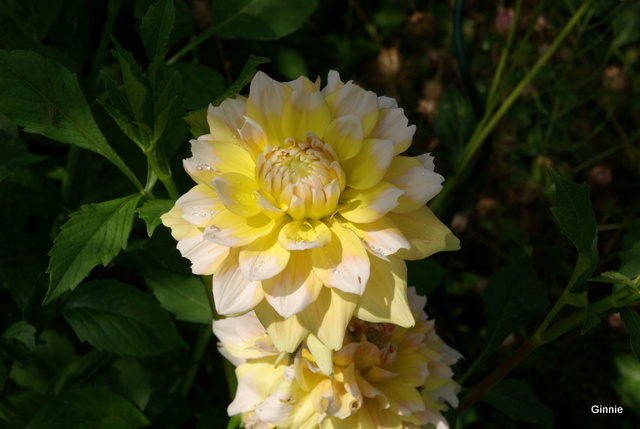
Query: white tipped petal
(232, 292)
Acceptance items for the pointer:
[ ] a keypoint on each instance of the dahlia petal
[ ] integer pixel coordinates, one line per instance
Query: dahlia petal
(418, 183)
(411, 368)
(213, 158)
(425, 232)
(343, 263)
(247, 395)
(351, 99)
(238, 193)
(345, 135)
(381, 237)
(277, 407)
(204, 255)
(305, 112)
(402, 399)
(264, 258)
(225, 120)
(293, 289)
(199, 204)
(387, 102)
(392, 125)
(265, 104)
(304, 234)
(370, 165)
(371, 204)
(269, 206)
(242, 338)
(385, 298)
(329, 315)
(232, 292)
(286, 334)
(333, 83)
(304, 83)
(254, 138)
(231, 230)
(174, 220)
(417, 303)
(321, 354)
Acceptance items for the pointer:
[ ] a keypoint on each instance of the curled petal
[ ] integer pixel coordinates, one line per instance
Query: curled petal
(425, 232)
(225, 120)
(419, 184)
(371, 204)
(350, 99)
(294, 288)
(304, 234)
(370, 165)
(392, 125)
(232, 292)
(238, 193)
(343, 263)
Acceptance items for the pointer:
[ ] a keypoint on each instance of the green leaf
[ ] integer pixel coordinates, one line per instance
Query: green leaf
(14, 155)
(151, 211)
(23, 332)
(572, 208)
(185, 297)
(260, 19)
(518, 401)
(631, 321)
(630, 266)
(156, 28)
(135, 87)
(198, 124)
(513, 294)
(93, 235)
(88, 408)
(577, 299)
(44, 97)
(234, 421)
(611, 277)
(246, 75)
(202, 84)
(119, 318)
(591, 320)
(626, 25)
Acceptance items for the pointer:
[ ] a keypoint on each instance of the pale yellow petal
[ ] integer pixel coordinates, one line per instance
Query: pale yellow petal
(211, 159)
(304, 234)
(286, 334)
(238, 193)
(370, 165)
(418, 183)
(232, 292)
(293, 289)
(392, 125)
(321, 354)
(265, 104)
(381, 238)
(304, 83)
(343, 263)
(205, 256)
(253, 138)
(345, 135)
(350, 99)
(199, 205)
(333, 83)
(385, 298)
(225, 120)
(174, 220)
(305, 112)
(264, 258)
(425, 232)
(232, 230)
(364, 206)
(329, 315)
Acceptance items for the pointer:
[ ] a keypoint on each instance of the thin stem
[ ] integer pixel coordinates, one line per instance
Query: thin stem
(112, 13)
(69, 173)
(163, 172)
(204, 336)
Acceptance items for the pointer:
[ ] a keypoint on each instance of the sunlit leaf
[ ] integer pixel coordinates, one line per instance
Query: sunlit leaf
(95, 234)
(44, 97)
(152, 210)
(185, 297)
(119, 318)
(260, 19)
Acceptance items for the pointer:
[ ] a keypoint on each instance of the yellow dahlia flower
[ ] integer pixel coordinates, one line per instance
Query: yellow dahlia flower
(384, 376)
(304, 211)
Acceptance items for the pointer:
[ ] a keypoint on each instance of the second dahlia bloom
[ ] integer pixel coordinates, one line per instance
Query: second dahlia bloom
(305, 211)
(384, 376)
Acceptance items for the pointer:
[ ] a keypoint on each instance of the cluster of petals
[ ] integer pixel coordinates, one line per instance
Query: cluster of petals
(384, 376)
(305, 212)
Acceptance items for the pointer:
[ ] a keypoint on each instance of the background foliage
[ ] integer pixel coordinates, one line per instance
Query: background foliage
(103, 326)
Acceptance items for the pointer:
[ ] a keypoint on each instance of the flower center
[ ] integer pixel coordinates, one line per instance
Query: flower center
(304, 176)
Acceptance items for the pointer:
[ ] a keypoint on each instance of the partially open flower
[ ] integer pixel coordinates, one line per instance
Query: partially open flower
(304, 211)
(383, 376)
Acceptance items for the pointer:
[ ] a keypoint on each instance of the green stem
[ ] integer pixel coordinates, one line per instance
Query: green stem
(112, 13)
(204, 336)
(69, 173)
(488, 123)
(162, 170)
(618, 299)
